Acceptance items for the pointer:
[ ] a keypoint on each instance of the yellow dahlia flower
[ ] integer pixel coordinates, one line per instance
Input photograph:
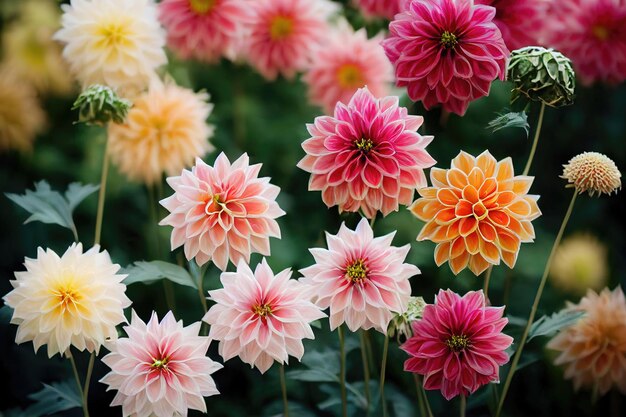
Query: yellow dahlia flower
(580, 263)
(164, 132)
(592, 172)
(118, 43)
(73, 300)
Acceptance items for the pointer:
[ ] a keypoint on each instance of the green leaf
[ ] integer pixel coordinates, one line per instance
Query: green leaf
(149, 272)
(58, 396)
(6, 313)
(312, 375)
(77, 192)
(547, 326)
(510, 119)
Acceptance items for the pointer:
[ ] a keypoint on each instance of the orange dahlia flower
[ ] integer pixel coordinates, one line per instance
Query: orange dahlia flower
(477, 212)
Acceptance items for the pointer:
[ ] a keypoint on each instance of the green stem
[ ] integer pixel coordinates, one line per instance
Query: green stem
(283, 387)
(383, 367)
(373, 220)
(101, 194)
(421, 395)
(535, 140)
(366, 369)
(486, 282)
(342, 373)
(78, 384)
(201, 294)
(463, 405)
(88, 380)
(533, 310)
(418, 393)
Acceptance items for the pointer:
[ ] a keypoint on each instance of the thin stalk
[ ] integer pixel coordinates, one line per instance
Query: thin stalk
(383, 367)
(463, 405)
(366, 369)
(101, 194)
(88, 379)
(342, 373)
(283, 387)
(201, 294)
(418, 393)
(535, 140)
(422, 393)
(486, 281)
(372, 221)
(533, 310)
(78, 384)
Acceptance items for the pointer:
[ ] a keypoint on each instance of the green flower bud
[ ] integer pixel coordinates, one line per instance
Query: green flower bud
(541, 74)
(400, 325)
(99, 104)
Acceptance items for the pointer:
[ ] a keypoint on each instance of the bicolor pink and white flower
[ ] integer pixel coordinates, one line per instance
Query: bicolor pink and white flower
(458, 344)
(281, 35)
(379, 8)
(222, 212)
(345, 63)
(446, 52)
(261, 317)
(203, 29)
(592, 33)
(160, 369)
(361, 278)
(368, 156)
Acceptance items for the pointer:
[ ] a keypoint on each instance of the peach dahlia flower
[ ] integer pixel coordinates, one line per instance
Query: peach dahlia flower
(477, 212)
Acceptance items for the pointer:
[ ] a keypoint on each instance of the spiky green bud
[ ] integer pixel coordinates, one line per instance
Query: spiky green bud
(99, 104)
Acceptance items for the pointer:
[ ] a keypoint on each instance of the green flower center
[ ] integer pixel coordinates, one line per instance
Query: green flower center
(448, 40)
(457, 343)
(357, 271)
(202, 6)
(160, 363)
(364, 145)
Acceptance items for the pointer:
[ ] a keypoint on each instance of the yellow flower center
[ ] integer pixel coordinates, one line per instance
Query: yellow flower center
(356, 272)
(113, 34)
(160, 363)
(67, 296)
(600, 32)
(457, 343)
(262, 310)
(202, 6)
(364, 145)
(280, 27)
(350, 76)
(448, 40)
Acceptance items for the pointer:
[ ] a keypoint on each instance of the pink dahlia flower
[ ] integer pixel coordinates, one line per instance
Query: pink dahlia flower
(203, 29)
(458, 345)
(222, 212)
(281, 35)
(520, 21)
(261, 317)
(379, 8)
(347, 62)
(160, 369)
(363, 279)
(446, 52)
(592, 33)
(367, 156)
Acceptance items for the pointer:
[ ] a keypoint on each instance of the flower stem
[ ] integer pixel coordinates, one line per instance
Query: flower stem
(88, 380)
(366, 369)
(421, 397)
(283, 387)
(201, 293)
(78, 384)
(533, 310)
(463, 405)
(102, 193)
(486, 282)
(342, 373)
(383, 367)
(535, 140)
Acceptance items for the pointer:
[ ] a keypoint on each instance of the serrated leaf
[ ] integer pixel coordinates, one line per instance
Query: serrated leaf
(77, 192)
(149, 272)
(510, 119)
(549, 325)
(58, 396)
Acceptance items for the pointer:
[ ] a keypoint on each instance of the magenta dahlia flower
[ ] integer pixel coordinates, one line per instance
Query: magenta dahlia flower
(446, 52)
(281, 35)
(345, 63)
(363, 279)
(379, 8)
(203, 29)
(261, 317)
(160, 369)
(367, 156)
(592, 33)
(458, 344)
(521, 21)
(222, 212)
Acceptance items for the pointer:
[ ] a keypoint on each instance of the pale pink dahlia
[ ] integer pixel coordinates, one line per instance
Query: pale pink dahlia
(458, 344)
(261, 317)
(363, 279)
(222, 212)
(347, 62)
(281, 35)
(367, 156)
(160, 369)
(379, 8)
(446, 52)
(521, 21)
(592, 33)
(203, 29)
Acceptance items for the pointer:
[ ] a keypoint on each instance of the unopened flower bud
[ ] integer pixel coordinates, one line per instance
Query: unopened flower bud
(99, 104)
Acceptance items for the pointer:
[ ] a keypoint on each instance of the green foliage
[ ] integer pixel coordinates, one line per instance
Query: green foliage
(58, 396)
(153, 271)
(99, 104)
(510, 119)
(549, 325)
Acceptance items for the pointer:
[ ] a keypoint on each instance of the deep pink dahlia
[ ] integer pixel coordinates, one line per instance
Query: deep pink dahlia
(222, 212)
(446, 52)
(345, 63)
(261, 317)
(203, 29)
(281, 35)
(592, 33)
(379, 8)
(520, 21)
(367, 156)
(458, 344)
(363, 279)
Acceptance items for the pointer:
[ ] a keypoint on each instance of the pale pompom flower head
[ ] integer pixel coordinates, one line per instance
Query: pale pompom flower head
(21, 114)
(281, 35)
(118, 43)
(205, 30)
(345, 63)
(400, 325)
(361, 278)
(368, 156)
(477, 212)
(580, 263)
(593, 350)
(222, 212)
(592, 172)
(446, 52)
(592, 33)
(163, 132)
(261, 317)
(379, 8)
(458, 344)
(160, 369)
(73, 300)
